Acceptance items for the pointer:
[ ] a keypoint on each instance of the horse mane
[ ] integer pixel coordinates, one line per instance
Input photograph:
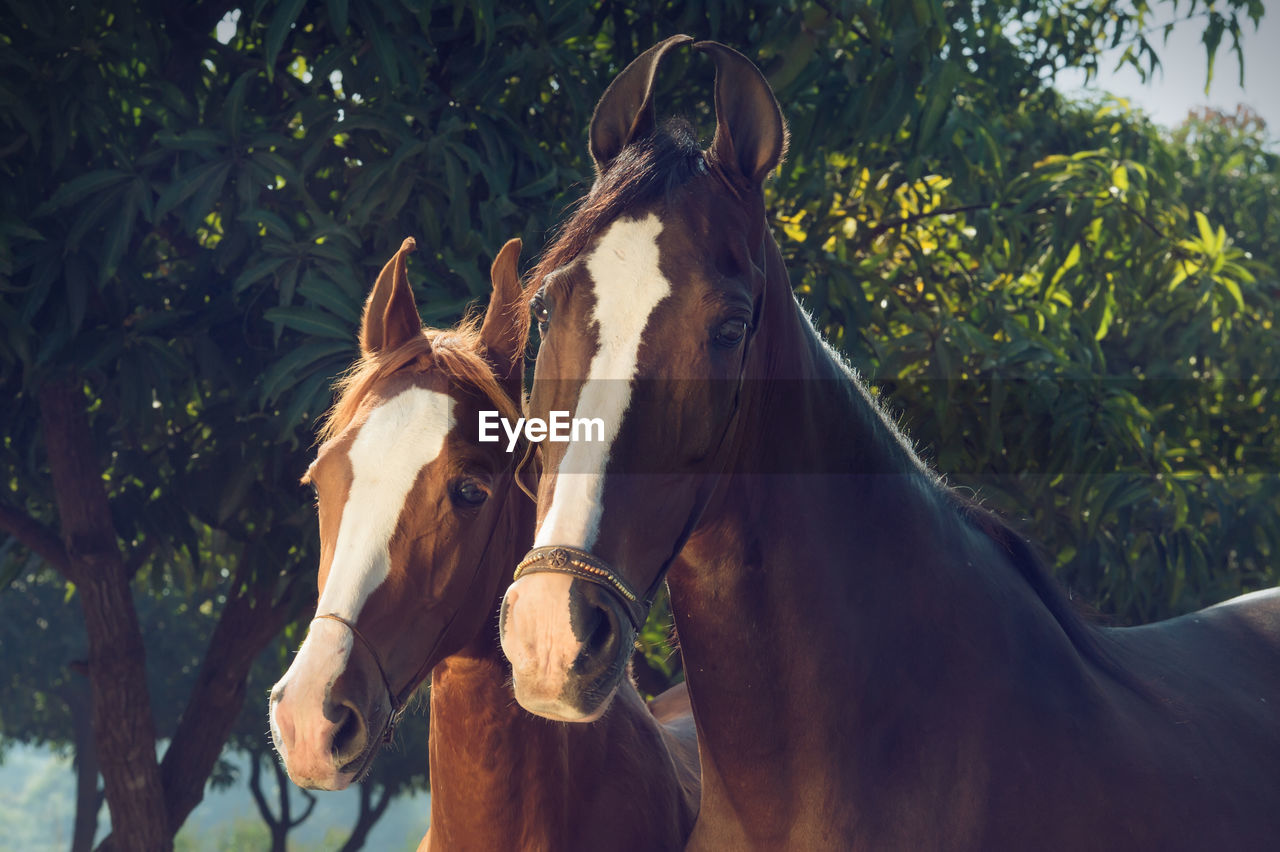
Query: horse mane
(456, 352)
(1071, 615)
(645, 169)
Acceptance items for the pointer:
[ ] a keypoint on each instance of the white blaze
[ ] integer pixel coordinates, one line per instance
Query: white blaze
(628, 286)
(400, 437)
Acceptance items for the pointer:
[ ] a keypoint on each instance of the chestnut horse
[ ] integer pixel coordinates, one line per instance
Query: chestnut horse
(873, 662)
(419, 523)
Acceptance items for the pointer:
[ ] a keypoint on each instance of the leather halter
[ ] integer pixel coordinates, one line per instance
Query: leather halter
(397, 699)
(562, 559)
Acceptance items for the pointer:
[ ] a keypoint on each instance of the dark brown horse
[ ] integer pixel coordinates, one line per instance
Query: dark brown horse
(419, 523)
(873, 663)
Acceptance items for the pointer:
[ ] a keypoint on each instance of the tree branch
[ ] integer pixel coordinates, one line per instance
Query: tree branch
(255, 789)
(249, 620)
(35, 537)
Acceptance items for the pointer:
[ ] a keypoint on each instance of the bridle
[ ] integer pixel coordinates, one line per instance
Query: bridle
(562, 559)
(576, 562)
(579, 563)
(399, 700)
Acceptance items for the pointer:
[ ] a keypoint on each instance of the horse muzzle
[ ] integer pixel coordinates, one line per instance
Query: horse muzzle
(568, 624)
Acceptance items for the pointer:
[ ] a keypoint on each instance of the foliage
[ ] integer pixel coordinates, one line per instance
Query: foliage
(197, 195)
(1066, 331)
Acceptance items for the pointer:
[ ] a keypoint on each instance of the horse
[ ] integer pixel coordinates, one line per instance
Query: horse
(419, 523)
(874, 662)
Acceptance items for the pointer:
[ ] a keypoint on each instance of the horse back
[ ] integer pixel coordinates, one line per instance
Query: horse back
(1204, 717)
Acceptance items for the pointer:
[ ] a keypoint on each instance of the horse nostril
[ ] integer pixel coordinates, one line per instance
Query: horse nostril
(603, 633)
(351, 736)
(595, 625)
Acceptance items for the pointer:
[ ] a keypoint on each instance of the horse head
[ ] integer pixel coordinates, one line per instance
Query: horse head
(412, 509)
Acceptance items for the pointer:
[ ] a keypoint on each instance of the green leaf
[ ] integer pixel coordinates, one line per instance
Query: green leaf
(302, 361)
(203, 201)
(1104, 322)
(272, 223)
(93, 216)
(338, 17)
(76, 190)
(310, 398)
(117, 238)
(185, 186)
(311, 321)
(384, 50)
(1234, 289)
(1206, 231)
(1072, 258)
(941, 95)
(327, 294)
(233, 110)
(258, 271)
(1120, 178)
(281, 22)
(538, 186)
(201, 141)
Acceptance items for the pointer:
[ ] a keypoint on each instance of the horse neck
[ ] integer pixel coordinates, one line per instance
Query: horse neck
(495, 775)
(502, 778)
(483, 755)
(833, 554)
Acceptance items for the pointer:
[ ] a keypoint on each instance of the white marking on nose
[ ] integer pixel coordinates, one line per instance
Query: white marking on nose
(628, 286)
(398, 439)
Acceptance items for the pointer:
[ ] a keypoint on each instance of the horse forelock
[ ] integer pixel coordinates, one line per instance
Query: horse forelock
(647, 169)
(455, 354)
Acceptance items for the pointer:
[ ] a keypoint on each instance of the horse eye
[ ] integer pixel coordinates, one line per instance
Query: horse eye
(539, 310)
(730, 333)
(469, 492)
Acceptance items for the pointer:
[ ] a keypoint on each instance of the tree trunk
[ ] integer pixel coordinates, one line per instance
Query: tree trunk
(123, 728)
(281, 826)
(370, 813)
(248, 622)
(88, 794)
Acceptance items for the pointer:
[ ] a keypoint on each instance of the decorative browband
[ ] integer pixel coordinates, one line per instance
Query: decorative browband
(562, 559)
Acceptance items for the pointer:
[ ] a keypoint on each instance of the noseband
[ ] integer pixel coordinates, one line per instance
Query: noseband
(562, 559)
(397, 699)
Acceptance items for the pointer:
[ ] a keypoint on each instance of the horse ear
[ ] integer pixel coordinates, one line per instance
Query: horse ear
(751, 137)
(390, 314)
(506, 323)
(625, 111)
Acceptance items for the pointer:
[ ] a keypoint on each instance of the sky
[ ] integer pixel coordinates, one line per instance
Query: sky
(1178, 86)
